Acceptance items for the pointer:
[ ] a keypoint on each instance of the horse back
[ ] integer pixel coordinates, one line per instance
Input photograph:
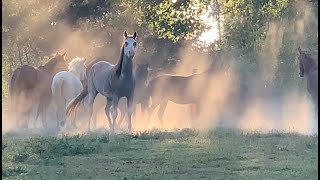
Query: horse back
(174, 88)
(24, 77)
(101, 74)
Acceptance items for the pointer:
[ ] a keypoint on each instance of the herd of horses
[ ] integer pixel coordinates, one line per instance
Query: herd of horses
(67, 86)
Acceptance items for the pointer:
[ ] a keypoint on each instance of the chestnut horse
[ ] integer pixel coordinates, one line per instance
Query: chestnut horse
(31, 86)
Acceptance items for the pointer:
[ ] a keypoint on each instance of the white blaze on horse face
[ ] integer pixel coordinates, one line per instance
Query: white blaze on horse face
(129, 47)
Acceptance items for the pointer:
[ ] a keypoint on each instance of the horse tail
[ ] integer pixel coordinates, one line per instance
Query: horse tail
(56, 88)
(73, 104)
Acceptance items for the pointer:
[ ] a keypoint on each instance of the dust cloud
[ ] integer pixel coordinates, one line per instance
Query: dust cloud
(221, 104)
(261, 110)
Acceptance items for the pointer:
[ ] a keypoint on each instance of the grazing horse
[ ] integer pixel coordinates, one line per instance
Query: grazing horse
(111, 81)
(66, 85)
(29, 85)
(140, 75)
(309, 68)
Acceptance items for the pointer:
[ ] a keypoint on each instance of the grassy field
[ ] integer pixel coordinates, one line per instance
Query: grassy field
(184, 154)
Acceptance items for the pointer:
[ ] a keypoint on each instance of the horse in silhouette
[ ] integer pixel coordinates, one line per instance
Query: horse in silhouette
(191, 90)
(177, 89)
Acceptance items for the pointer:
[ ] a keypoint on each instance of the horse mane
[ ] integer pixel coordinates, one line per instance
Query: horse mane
(75, 64)
(120, 62)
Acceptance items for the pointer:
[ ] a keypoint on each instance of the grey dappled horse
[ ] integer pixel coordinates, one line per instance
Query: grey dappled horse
(111, 81)
(309, 68)
(140, 75)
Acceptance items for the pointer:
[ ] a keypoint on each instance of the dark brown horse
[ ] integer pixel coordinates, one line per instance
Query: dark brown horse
(31, 86)
(309, 69)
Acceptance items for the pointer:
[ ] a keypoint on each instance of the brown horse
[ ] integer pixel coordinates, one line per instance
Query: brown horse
(309, 68)
(177, 89)
(30, 86)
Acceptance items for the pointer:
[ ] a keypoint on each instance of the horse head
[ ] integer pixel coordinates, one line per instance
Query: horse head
(129, 44)
(78, 67)
(57, 63)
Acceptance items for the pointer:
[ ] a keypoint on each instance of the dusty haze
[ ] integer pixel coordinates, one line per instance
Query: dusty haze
(291, 111)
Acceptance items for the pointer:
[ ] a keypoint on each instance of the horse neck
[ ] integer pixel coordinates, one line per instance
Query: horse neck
(127, 66)
(124, 64)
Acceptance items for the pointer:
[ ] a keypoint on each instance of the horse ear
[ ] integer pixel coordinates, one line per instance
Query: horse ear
(135, 35)
(64, 54)
(125, 35)
(84, 60)
(57, 53)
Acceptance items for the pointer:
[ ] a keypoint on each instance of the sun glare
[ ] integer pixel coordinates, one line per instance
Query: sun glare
(174, 1)
(212, 35)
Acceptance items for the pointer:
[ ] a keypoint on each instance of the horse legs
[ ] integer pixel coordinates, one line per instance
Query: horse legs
(150, 111)
(122, 115)
(122, 110)
(162, 108)
(94, 116)
(41, 109)
(14, 109)
(114, 110)
(129, 111)
(26, 116)
(107, 111)
(57, 115)
(92, 96)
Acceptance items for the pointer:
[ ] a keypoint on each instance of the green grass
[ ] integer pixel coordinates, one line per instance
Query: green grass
(185, 154)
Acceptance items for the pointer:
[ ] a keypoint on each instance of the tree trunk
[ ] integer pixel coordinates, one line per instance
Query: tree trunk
(26, 54)
(19, 53)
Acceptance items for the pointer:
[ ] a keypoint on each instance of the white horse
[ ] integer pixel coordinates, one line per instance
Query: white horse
(66, 86)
